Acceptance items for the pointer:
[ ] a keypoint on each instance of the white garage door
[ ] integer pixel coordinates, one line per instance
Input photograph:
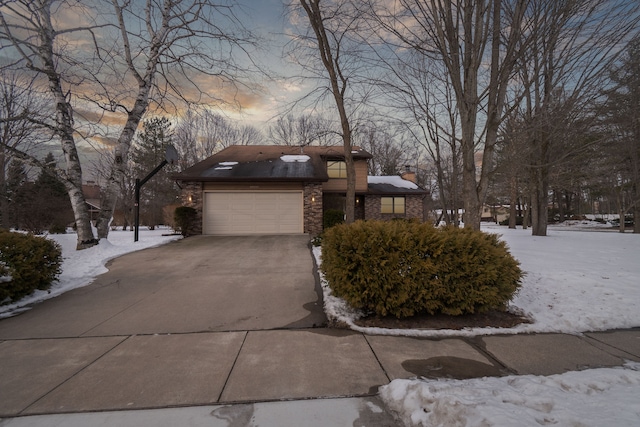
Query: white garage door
(253, 213)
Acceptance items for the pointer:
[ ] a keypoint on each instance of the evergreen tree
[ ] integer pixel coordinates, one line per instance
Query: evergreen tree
(12, 194)
(45, 205)
(148, 152)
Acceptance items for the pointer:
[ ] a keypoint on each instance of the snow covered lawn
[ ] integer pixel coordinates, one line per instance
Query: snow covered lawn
(576, 281)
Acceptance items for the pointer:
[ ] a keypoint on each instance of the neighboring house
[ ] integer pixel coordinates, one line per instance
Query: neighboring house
(91, 193)
(495, 213)
(267, 189)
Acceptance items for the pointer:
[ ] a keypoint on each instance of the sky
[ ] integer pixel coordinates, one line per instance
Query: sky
(582, 277)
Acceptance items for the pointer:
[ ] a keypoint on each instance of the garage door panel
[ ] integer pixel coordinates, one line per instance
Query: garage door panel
(252, 213)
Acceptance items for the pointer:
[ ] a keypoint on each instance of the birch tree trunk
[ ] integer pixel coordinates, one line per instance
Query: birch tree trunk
(38, 53)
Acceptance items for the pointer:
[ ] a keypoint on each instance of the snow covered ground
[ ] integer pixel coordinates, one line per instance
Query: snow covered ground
(80, 268)
(596, 397)
(575, 281)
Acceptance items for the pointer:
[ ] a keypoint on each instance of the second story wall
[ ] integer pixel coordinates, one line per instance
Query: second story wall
(340, 184)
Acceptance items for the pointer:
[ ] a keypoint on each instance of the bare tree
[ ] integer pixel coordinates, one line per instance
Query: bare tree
(28, 28)
(201, 133)
(332, 33)
(421, 95)
(475, 40)
(18, 133)
(123, 57)
(303, 130)
(569, 46)
(179, 39)
(622, 118)
(249, 135)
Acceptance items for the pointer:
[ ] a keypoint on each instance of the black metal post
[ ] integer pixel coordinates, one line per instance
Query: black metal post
(139, 184)
(136, 206)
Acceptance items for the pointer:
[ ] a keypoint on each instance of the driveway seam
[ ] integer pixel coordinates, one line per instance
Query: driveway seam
(479, 345)
(126, 338)
(377, 359)
(235, 360)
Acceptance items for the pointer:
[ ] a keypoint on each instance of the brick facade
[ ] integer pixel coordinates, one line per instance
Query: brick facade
(414, 208)
(312, 211)
(191, 196)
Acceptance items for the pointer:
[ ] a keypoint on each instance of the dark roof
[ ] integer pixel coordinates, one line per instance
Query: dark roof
(266, 163)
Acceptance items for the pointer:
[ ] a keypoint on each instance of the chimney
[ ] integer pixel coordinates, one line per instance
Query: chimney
(409, 175)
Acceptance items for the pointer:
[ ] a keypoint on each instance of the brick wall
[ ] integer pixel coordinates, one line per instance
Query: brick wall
(191, 196)
(413, 204)
(312, 209)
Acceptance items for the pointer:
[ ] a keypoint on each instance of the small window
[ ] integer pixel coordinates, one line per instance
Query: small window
(392, 205)
(337, 169)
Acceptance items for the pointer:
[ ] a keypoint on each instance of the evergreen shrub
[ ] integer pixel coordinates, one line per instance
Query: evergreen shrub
(28, 263)
(404, 268)
(332, 217)
(185, 219)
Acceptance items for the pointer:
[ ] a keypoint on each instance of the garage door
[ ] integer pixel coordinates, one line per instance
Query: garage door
(253, 213)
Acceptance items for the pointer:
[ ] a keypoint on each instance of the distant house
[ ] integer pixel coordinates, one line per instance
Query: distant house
(267, 189)
(494, 213)
(91, 193)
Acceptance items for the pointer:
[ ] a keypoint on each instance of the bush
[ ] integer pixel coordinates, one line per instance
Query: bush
(332, 217)
(403, 268)
(185, 219)
(28, 263)
(519, 221)
(57, 228)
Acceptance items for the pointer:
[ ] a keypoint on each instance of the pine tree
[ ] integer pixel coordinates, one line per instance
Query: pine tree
(45, 205)
(148, 152)
(12, 194)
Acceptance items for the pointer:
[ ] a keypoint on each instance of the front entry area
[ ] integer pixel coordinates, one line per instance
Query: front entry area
(245, 212)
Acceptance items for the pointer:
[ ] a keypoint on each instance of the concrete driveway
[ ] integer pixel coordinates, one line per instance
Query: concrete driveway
(199, 284)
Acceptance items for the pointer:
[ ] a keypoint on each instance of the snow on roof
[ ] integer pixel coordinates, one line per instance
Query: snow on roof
(394, 180)
(223, 168)
(228, 163)
(293, 158)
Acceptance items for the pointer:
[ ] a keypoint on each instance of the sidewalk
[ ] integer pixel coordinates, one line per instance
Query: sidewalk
(95, 374)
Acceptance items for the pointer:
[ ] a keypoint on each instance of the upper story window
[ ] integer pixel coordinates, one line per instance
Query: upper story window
(392, 205)
(336, 169)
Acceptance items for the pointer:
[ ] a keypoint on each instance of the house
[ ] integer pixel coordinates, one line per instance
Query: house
(494, 213)
(268, 189)
(91, 193)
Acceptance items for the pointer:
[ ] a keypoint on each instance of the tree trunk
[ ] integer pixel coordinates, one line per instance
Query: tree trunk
(109, 195)
(72, 176)
(539, 202)
(513, 196)
(561, 212)
(526, 215)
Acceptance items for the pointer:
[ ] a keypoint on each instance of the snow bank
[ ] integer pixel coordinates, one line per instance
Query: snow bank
(596, 397)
